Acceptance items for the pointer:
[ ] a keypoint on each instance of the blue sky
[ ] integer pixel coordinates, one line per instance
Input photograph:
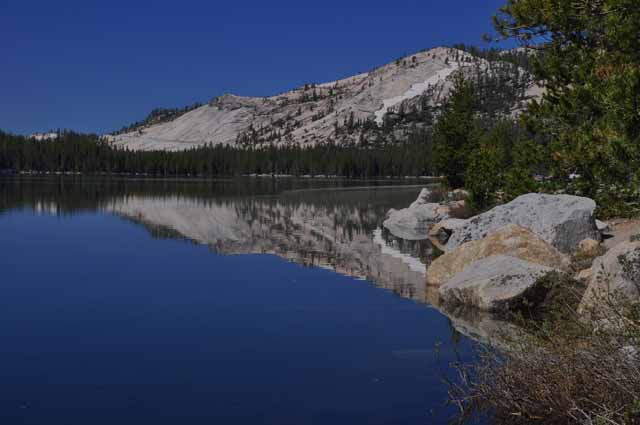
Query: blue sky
(96, 66)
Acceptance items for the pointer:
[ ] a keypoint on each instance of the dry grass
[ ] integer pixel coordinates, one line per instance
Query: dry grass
(560, 370)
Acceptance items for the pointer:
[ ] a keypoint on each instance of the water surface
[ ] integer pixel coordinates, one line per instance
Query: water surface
(233, 301)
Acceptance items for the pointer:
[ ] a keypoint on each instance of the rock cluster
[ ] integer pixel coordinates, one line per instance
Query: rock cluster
(414, 222)
(492, 260)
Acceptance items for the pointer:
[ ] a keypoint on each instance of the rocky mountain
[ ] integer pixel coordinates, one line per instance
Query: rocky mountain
(391, 99)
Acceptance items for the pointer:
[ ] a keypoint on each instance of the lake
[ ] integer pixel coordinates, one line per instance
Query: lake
(244, 301)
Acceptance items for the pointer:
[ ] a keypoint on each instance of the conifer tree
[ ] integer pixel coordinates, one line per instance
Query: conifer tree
(590, 67)
(454, 133)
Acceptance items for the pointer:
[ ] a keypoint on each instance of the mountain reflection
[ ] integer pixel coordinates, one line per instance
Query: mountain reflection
(343, 237)
(336, 228)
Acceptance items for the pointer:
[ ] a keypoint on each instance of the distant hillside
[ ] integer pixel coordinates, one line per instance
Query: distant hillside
(388, 102)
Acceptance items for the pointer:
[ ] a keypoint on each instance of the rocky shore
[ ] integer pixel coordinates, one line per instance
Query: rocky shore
(492, 261)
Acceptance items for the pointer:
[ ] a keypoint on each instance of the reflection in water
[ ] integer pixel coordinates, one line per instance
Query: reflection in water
(337, 228)
(341, 236)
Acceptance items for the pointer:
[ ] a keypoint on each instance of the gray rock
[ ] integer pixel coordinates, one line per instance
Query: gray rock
(561, 220)
(413, 223)
(492, 283)
(615, 277)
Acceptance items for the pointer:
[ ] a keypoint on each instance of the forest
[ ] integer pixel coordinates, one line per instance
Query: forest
(88, 154)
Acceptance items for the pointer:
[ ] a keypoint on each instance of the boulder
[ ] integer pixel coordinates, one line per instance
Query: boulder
(614, 277)
(493, 283)
(513, 241)
(561, 220)
(413, 223)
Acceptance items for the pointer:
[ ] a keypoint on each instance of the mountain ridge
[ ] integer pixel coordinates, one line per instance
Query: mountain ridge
(338, 111)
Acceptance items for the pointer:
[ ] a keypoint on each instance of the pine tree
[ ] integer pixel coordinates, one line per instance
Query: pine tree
(455, 131)
(590, 66)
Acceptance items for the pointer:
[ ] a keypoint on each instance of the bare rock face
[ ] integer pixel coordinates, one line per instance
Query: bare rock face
(614, 277)
(513, 241)
(561, 220)
(493, 283)
(311, 114)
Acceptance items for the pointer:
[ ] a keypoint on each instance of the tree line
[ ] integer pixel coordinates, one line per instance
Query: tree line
(88, 154)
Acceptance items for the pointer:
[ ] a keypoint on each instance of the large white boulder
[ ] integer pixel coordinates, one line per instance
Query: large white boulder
(493, 283)
(561, 220)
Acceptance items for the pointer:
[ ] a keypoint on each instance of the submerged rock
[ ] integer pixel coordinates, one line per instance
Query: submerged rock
(513, 241)
(493, 283)
(614, 277)
(561, 220)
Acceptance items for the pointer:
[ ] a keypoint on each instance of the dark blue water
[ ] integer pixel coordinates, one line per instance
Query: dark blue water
(102, 322)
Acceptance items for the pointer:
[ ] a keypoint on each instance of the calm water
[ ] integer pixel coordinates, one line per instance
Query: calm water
(225, 302)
